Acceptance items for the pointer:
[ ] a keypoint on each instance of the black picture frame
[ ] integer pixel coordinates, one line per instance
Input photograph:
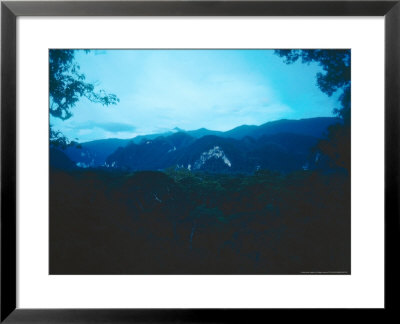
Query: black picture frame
(10, 10)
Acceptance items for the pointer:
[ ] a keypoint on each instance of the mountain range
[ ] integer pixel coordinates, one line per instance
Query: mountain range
(283, 145)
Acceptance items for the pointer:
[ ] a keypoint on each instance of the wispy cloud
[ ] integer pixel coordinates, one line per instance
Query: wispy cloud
(112, 127)
(115, 127)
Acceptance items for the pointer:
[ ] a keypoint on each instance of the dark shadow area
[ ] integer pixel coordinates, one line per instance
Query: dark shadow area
(181, 222)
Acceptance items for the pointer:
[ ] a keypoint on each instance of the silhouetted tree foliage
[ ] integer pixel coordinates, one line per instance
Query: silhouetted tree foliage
(334, 63)
(67, 86)
(336, 76)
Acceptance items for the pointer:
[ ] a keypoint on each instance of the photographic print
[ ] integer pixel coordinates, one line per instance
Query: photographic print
(199, 161)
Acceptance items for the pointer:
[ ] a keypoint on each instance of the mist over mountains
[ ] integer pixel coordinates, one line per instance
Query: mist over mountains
(283, 145)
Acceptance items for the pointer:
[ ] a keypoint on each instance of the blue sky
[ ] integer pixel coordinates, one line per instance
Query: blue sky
(190, 89)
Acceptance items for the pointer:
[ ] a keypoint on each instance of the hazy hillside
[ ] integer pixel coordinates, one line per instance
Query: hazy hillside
(283, 152)
(94, 153)
(311, 127)
(282, 145)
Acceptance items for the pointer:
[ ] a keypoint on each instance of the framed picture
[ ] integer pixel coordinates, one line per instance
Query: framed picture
(188, 162)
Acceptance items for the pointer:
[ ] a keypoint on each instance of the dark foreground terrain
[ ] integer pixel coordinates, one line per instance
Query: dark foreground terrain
(181, 222)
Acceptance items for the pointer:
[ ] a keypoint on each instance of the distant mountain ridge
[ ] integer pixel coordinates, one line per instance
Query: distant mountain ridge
(311, 127)
(282, 145)
(281, 152)
(94, 153)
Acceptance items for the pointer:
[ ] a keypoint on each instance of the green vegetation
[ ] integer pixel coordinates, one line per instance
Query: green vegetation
(181, 222)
